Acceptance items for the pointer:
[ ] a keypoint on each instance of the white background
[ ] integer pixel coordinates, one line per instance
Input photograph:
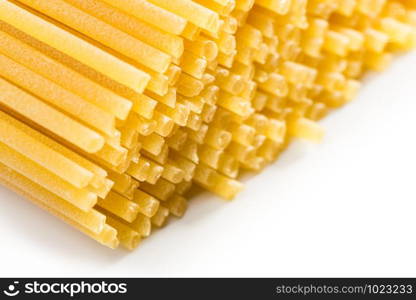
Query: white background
(345, 207)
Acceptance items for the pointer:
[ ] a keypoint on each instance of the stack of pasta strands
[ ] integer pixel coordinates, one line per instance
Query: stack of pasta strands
(111, 110)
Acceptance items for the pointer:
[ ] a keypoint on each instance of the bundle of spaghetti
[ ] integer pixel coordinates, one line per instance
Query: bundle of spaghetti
(137, 152)
(111, 110)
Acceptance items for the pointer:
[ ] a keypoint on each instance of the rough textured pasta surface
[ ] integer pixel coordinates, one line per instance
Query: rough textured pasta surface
(111, 111)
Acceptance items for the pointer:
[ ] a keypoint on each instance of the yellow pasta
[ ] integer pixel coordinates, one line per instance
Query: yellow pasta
(103, 33)
(57, 96)
(161, 190)
(92, 220)
(30, 107)
(110, 111)
(44, 156)
(63, 76)
(152, 14)
(119, 206)
(139, 170)
(194, 13)
(164, 41)
(155, 171)
(78, 197)
(148, 205)
(177, 205)
(73, 46)
(127, 236)
(160, 217)
(142, 225)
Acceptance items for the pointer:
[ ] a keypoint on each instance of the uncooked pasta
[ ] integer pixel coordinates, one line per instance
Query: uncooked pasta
(111, 112)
